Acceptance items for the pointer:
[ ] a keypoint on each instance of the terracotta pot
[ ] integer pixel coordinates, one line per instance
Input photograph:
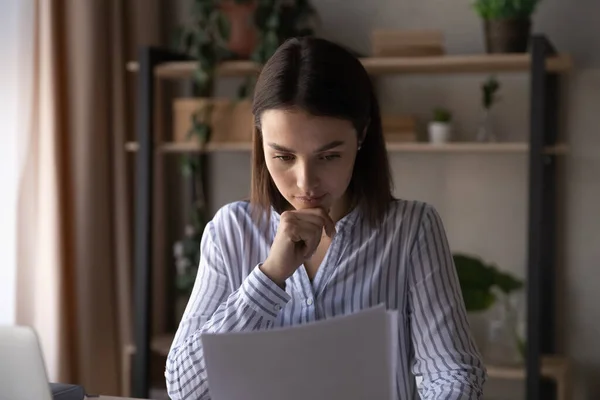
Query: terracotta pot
(507, 35)
(243, 35)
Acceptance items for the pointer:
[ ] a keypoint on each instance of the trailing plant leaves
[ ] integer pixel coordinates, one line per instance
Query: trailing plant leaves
(205, 39)
(273, 21)
(223, 26)
(189, 165)
(201, 77)
(201, 131)
(271, 44)
(489, 89)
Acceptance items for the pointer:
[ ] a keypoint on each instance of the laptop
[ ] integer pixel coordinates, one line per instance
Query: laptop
(23, 373)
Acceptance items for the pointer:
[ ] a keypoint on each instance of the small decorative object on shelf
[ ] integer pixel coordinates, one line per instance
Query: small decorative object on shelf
(399, 128)
(507, 24)
(487, 289)
(440, 128)
(485, 132)
(406, 43)
(231, 121)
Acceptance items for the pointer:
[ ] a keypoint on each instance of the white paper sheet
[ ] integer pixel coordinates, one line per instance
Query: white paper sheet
(348, 357)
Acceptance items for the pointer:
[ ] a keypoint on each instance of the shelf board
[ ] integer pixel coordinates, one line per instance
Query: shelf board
(473, 63)
(555, 367)
(393, 147)
(191, 147)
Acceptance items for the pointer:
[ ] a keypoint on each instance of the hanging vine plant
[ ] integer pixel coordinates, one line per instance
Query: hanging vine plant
(207, 37)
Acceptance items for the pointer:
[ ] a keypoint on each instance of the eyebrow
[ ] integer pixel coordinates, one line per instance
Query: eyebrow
(328, 146)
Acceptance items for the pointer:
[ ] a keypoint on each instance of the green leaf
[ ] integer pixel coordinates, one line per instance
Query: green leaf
(201, 77)
(507, 283)
(442, 115)
(472, 272)
(499, 9)
(187, 167)
(201, 131)
(478, 300)
(271, 44)
(477, 280)
(223, 26)
(273, 22)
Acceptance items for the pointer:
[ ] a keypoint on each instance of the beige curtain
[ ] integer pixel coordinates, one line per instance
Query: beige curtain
(74, 233)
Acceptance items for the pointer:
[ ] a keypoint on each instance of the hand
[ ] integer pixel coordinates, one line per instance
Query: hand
(297, 238)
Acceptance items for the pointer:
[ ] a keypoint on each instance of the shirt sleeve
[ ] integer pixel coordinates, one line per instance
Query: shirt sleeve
(215, 307)
(443, 351)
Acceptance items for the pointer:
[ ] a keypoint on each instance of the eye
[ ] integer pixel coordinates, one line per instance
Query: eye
(284, 158)
(330, 157)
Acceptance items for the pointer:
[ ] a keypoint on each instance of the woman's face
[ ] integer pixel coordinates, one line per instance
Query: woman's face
(310, 158)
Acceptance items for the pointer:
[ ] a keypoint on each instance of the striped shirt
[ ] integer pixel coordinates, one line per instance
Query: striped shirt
(405, 263)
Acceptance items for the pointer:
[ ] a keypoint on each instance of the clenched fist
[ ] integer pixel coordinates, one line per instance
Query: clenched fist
(298, 235)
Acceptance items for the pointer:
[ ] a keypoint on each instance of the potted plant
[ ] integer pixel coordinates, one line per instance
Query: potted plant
(507, 24)
(489, 90)
(440, 128)
(484, 286)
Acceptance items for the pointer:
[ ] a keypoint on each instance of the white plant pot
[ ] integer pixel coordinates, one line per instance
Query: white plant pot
(440, 132)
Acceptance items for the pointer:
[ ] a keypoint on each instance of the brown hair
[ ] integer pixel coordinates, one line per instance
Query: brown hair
(323, 79)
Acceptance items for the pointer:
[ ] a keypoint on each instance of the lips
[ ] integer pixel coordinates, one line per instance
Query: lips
(310, 199)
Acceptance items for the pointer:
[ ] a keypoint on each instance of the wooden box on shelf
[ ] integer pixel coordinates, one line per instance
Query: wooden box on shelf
(231, 120)
(399, 128)
(406, 43)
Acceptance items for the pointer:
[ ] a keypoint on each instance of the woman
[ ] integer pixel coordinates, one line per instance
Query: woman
(322, 235)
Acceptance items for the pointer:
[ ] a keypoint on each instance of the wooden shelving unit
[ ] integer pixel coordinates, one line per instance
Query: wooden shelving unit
(544, 67)
(393, 147)
(475, 63)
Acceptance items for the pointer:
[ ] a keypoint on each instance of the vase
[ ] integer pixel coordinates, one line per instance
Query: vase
(485, 132)
(504, 340)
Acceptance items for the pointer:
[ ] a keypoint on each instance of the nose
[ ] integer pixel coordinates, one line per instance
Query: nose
(307, 178)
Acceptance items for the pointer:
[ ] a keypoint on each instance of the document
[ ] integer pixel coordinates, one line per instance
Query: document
(349, 357)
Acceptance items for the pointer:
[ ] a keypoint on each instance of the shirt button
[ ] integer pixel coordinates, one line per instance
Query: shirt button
(277, 307)
(309, 301)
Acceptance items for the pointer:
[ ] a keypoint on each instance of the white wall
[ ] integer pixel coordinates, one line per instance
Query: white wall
(482, 198)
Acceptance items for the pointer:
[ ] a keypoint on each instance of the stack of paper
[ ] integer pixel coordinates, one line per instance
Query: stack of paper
(348, 357)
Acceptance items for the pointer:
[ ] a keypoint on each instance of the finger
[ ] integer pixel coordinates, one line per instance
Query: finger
(326, 220)
(303, 231)
(313, 238)
(306, 233)
(315, 219)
